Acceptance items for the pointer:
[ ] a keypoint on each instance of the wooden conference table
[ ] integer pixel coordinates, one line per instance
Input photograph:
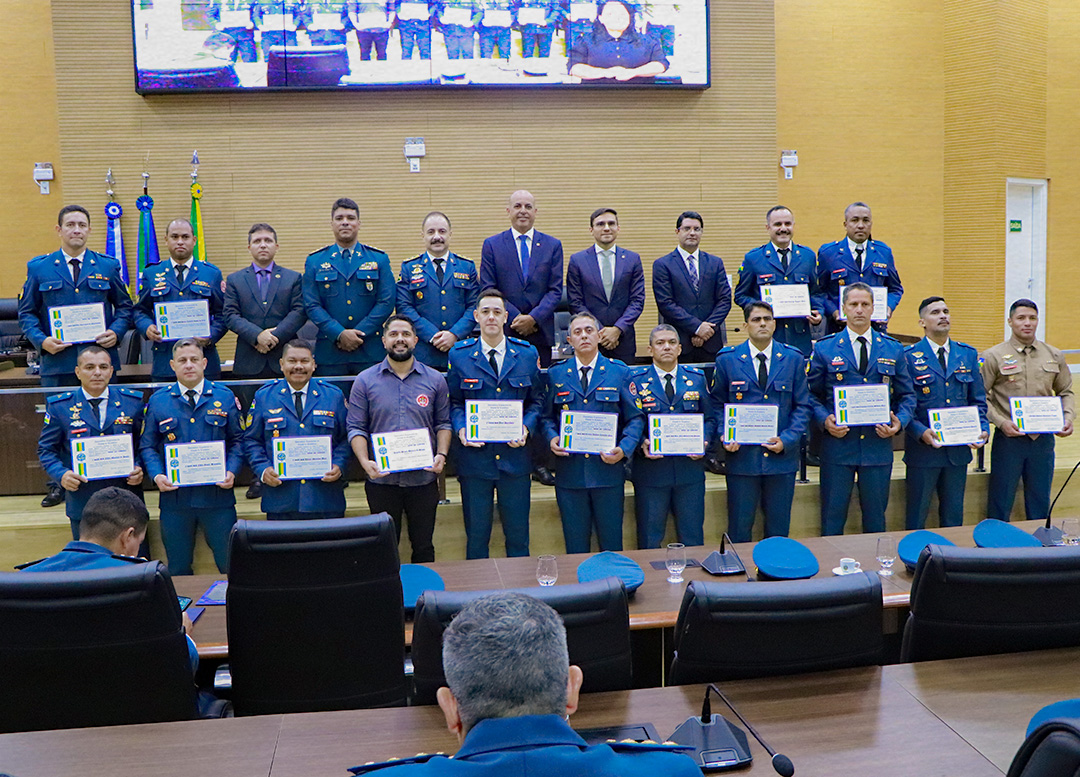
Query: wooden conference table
(655, 606)
(958, 718)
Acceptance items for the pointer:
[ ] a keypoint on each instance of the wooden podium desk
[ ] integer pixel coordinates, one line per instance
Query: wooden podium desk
(958, 718)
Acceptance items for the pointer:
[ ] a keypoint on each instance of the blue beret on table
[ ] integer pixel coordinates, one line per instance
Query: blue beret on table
(782, 558)
(611, 564)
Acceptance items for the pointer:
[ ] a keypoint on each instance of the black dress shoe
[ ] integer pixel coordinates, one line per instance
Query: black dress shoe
(254, 490)
(54, 497)
(812, 460)
(715, 465)
(543, 476)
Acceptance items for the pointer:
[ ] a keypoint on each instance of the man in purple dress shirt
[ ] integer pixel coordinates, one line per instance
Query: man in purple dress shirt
(396, 394)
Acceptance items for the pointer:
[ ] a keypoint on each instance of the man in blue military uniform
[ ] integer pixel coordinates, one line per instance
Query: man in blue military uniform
(692, 291)
(669, 484)
(297, 406)
(457, 21)
(180, 279)
(348, 293)
(74, 275)
(437, 291)
(510, 692)
(414, 27)
(192, 410)
(276, 21)
(537, 20)
(371, 19)
(93, 410)
(326, 22)
(494, 367)
(857, 357)
(589, 486)
(857, 258)
(234, 18)
(781, 262)
(945, 374)
(496, 19)
(761, 371)
(607, 281)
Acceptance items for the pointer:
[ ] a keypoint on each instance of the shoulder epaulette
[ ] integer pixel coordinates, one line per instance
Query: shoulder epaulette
(619, 362)
(372, 766)
(130, 393)
(463, 258)
(28, 564)
(885, 336)
(964, 345)
(633, 746)
(728, 349)
(639, 369)
(59, 397)
(373, 248)
(518, 341)
(786, 347)
(468, 342)
(694, 370)
(828, 337)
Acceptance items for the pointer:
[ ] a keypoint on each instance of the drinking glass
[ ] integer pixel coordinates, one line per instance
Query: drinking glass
(547, 570)
(886, 554)
(676, 561)
(1070, 531)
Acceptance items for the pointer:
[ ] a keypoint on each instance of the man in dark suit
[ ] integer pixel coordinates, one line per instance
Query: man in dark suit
(527, 266)
(264, 305)
(608, 282)
(692, 292)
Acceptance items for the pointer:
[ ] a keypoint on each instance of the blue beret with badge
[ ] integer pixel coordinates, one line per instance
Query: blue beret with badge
(415, 579)
(992, 533)
(610, 564)
(782, 558)
(910, 547)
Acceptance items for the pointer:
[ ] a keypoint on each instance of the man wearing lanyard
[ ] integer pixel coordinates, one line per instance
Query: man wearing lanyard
(1023, 366)
(857, 356)
(494, 367)
(297, 406)
(397, 394)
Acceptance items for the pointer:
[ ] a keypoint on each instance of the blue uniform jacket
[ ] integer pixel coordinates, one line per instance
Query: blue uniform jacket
(960, 386)
(471, 377)
(542, 746)
(49, 284)
(248, 315)
(833, 364)
(691, 396)
(735, 381)
(537, 295)
(836, 269)
(69, 416)
(433, 308)
(202, 281)
(609, 392)
(273, 414)
(355, 295)
(684, 308)
(585, 290)
(169, 418)
(79, 555)
(761, 267)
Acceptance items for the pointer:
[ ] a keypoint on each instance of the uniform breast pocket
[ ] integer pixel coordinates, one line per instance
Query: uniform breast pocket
(471, 384)
(327, 281)
(925, 379)
(781, 385)
(800, 278)
(690, 405)
(160, 291)
(324, 423)
(880, 271)
(168, 425)
(200, 289)
(1051, 367)
(835, 368)
(218, 423)
(50, 287)
(839, 275)
(884, 368)
(766, 280)
(121, 428)
(521, 383)
(367, 280)
(462, 283)
(275, 425)
(607, 395)
(98, 284)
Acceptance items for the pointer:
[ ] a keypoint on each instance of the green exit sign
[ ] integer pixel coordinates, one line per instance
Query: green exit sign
(1016, 225)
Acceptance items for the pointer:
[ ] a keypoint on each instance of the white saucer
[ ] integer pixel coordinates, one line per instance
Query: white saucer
(838, 571)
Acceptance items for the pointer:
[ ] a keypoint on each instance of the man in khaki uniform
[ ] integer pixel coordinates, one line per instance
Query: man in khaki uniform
(1023, 367)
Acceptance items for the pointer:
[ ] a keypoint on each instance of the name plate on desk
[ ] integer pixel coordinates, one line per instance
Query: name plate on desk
(750, 424)
(402, 451)
(77, 323)
(494, 420)
(787, 300)
(861, 405)
(177, 320)
(588, 432)
(677, 434)
(195, 463)
(1037, 415)
(107, 456)
(302, 457)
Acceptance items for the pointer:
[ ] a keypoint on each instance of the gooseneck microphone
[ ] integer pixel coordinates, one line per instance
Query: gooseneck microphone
(1049, 534)
(781, 763)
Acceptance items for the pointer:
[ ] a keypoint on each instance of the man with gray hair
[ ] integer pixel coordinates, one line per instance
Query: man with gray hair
(511, 692)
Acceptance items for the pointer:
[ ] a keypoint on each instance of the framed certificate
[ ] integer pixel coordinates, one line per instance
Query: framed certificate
(861, 405)
(296, 458)
(750, 424)
(955, 425)
(195, 463)
(532, 16)
(881, 304)
(77, 323)
(493, 420)
(787, 300)
(1037, 415)
(588, 432)
(496, 18)
(106, 456)
(413, 11)
(177, 320)
(462, 17)
(402, 451)
(677, 434)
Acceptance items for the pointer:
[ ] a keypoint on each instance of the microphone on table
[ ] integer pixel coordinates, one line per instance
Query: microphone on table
(1049, 534)
(720, 744)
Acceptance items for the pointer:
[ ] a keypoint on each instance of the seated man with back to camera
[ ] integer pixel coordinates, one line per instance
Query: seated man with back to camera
(510, 696)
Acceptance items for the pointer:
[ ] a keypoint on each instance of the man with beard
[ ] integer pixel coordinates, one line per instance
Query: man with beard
(397, 394)
(297, 406)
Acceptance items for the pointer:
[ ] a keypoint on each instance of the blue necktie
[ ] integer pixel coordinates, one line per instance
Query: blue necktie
(524, 240)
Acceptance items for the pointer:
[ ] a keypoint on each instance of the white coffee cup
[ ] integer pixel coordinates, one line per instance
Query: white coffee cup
(849, 565)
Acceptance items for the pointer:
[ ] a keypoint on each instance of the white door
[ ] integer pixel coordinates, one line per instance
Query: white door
(1025, 246)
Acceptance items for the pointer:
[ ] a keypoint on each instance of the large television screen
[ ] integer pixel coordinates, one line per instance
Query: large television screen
(226, 45)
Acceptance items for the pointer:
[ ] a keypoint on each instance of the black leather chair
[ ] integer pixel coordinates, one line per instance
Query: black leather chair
(1052, 750)
(92, 648)
(210, 77)
(306, 66)
(979, 601)
(597, 622)
(315, 616)
(728, 631)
